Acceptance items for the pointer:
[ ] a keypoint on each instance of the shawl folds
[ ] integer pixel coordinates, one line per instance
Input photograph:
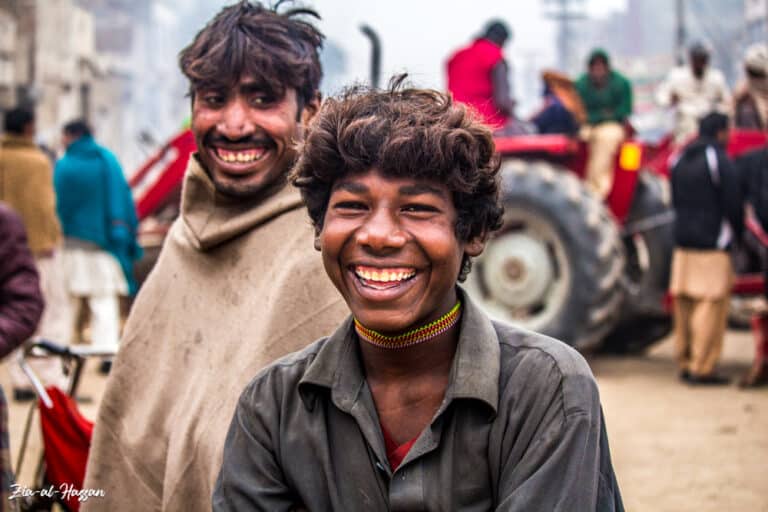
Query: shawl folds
(236, 286)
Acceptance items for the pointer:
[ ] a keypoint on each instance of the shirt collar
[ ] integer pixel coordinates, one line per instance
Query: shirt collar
(474, 372)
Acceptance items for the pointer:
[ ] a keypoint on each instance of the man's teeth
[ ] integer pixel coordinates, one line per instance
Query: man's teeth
(384, 275)
(244, 156)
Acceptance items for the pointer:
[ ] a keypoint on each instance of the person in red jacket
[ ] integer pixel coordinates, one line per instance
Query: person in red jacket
(21, 306)
(478, 75)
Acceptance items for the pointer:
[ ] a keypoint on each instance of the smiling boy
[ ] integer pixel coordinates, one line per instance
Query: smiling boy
(418, 401)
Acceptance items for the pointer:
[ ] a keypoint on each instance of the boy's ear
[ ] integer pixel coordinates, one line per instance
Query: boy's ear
(474, 247)
(317, 240)
(311, 109)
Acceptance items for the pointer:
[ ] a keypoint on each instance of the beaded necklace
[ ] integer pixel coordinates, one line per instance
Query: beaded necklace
(413, 336)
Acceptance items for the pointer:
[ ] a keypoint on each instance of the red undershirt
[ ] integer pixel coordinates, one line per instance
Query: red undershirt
(395, 453)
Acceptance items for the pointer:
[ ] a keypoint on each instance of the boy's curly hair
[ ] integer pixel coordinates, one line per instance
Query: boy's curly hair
(248, 39)
(403, 132)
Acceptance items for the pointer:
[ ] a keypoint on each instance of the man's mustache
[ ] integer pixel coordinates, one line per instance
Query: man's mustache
(249, 141)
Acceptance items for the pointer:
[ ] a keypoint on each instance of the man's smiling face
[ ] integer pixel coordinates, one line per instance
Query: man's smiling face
(245, 135)
(389, 245)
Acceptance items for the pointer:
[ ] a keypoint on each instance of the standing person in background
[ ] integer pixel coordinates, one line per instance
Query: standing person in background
(26, 185)
(753, 170)
(707, 198)
(751, 96)
(607, 98)
(478, 75)
(99, 223)
(21, 306)
(693, 91)
(237, 284)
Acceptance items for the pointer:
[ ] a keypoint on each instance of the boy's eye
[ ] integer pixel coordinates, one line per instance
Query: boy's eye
(349, 205)
(420, 208)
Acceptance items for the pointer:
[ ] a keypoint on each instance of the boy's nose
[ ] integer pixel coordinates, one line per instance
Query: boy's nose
(381, 232)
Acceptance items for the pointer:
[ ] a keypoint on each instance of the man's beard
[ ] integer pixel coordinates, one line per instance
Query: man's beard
(255, 191)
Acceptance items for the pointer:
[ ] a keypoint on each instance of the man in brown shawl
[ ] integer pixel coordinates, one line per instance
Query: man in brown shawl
(237, 283)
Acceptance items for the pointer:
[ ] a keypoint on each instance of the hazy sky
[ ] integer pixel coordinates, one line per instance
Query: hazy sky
(418, 35)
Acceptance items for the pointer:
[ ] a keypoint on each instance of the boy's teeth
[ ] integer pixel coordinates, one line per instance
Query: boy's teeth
(383, 275)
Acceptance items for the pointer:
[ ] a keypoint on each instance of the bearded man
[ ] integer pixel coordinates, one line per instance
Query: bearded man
(237, 283)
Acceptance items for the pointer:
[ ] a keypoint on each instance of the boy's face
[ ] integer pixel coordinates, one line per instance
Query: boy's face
(389, 245)
(245, 136)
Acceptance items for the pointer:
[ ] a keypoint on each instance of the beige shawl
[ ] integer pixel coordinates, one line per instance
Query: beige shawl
(236, 286)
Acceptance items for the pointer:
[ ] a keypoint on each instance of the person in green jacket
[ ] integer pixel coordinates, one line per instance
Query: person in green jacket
(607, 98)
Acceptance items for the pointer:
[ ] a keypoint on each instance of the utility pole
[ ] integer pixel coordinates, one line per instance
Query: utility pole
(565, 13)
(680, 32)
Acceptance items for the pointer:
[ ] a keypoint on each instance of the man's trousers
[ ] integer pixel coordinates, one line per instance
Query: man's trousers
(699, 330)
(700, 283)
(604, 140)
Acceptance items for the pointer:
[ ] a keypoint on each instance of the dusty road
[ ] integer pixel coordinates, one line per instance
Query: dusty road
(675, 448)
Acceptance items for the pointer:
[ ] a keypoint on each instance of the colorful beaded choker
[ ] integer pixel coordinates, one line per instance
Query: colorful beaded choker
(414, 336)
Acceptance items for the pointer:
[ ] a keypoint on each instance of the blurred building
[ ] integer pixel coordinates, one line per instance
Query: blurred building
(646, 30)
(50, 61)
(137, 41)
(7, 52)
(756, 21)
(112, 62)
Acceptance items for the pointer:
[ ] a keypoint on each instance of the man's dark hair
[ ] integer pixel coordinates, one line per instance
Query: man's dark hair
(598, 54)
(698, 50)
(17, 120)
(403, 132)
(712, 124)
(77, 128)
(277, 50)
(497, 31)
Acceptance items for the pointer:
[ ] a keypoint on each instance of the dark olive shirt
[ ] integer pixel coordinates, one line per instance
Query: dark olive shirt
(520, 428)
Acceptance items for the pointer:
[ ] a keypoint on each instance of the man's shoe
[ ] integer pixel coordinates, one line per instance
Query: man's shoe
(23, 395)
(684, 375)
(713, 379)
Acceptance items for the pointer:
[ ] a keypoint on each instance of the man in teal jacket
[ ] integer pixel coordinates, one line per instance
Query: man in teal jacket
(607, 98)
(99, 223)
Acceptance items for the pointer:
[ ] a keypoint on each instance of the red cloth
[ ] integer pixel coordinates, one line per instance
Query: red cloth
(396, 453)
(66, 438)
(469, 79)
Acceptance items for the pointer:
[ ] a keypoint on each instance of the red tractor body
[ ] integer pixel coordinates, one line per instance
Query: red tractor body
(562, 264)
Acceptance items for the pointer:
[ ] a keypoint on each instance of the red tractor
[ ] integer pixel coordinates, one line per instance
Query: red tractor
(564, 263)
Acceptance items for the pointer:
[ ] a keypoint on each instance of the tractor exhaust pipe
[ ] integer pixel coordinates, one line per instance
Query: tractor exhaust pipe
(373, 37)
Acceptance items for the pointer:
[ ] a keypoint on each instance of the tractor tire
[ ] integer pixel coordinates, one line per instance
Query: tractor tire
(556, 264)
(649, 241)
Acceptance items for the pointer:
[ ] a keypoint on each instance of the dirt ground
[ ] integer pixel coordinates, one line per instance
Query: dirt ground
(678, 448)
(674, 448)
